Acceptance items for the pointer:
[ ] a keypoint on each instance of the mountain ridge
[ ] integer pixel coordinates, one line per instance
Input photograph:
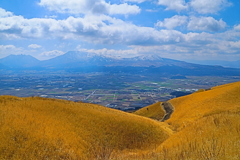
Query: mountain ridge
(19, 61)
(90, 62)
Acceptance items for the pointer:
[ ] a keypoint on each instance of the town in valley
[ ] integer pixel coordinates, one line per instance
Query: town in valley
(121, 91)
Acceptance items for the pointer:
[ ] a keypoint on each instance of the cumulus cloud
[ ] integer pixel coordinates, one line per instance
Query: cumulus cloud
(96, 29)
(50, 54)
(103, 29)
(89, 6)
(235, 45)
(123, 9)
(206, 24)
(33, 28)
(209, 6)
(172, 22)
(34, 46)
(135, 1)
(113, 53)
(177, 5)
(10, 49)
(6, 47)
(197, 45)
(237, 27)
(4, 13)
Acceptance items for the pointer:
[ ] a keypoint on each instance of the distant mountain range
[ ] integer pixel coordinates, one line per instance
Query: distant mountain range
(89, 62)
(19, 61)
(230, 64)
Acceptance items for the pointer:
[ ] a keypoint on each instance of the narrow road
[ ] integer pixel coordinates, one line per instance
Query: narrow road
(167, 106)
(90, 95)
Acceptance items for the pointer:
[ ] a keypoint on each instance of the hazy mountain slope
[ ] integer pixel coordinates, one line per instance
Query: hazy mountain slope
(37, 128)
(76, 58)
(76, 61)
(231, 64)
(3, 66)
(19, 61)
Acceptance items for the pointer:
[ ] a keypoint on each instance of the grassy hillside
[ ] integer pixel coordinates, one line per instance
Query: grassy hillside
(206, 125)
(224, 98)
(213, 137)
(154, 111)
(39, 128)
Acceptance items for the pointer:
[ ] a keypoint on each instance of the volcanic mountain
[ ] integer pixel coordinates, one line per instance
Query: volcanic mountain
(90, 62)
(19, 61)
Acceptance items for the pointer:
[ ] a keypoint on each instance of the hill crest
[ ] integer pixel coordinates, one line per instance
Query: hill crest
(204, 125)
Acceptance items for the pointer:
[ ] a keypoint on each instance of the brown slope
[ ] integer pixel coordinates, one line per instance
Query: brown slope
(154, 111)
(225, 98)
(39, 128)
(206, 124)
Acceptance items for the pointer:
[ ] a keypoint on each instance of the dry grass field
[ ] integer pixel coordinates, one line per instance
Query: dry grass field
(154, 111)
(39, 128)
(204, 125)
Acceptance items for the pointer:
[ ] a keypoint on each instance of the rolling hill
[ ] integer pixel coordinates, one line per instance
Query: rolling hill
(204, 125)
(220, 99)
(154, 111)
(38, 128)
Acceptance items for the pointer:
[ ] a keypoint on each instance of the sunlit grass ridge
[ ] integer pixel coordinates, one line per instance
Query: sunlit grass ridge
(217, 100)
(154, 111)
(39, 128)
(204, 125)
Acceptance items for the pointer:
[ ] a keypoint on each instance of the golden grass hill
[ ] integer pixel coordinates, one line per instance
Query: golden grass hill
(202, 125)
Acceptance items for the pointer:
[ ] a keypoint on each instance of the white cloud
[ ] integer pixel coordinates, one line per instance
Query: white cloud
(34, 46)
(19, 26)
(237, 27)
(235, 45)
(50, 54)
(136, 1)
(95, 29)
(200, 6)
(89, 6)
(6, 50)
(6, 47)
(4, 13)
(209, 6)
(123, 9)
(112, 52)
(177, 5)
(151, 10)
(195, 47)
(206, 24)
(103, 29)
(172, 22)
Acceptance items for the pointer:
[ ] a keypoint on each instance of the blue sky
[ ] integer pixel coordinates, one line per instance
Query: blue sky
(177, 29)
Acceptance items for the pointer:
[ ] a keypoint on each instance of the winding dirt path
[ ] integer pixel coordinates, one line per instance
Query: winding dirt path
(167, 106)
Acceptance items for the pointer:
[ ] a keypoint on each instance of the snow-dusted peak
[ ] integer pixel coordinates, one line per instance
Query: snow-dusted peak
(150, 57)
